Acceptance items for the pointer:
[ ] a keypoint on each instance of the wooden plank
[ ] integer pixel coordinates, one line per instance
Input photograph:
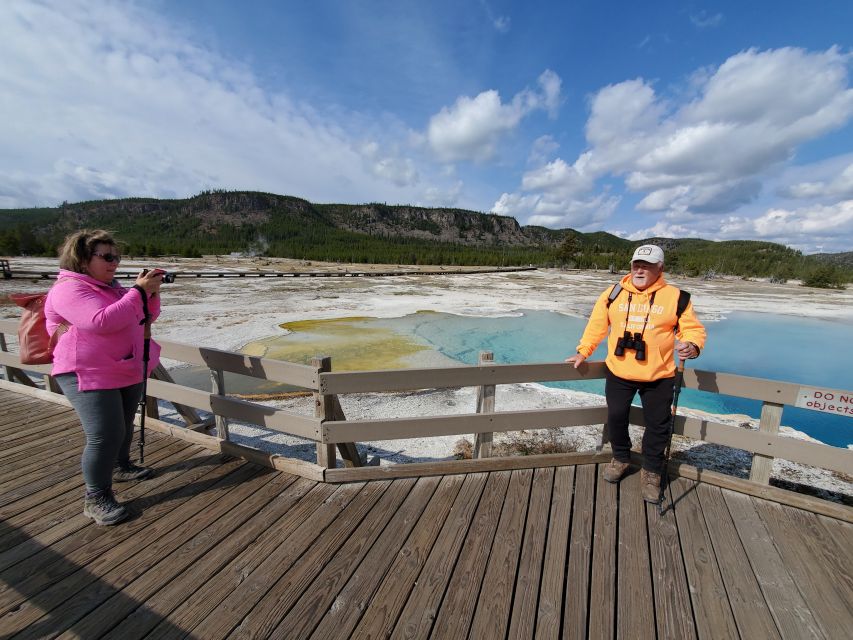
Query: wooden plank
(791, 613)
(348, 450)
(8, 358)
(394, 428)
(324, 409)
(749, 607)
(47, 426)
(124, 578)
(493, 605)
(298, 375)
(453, 618)
(206, 596)
(741, 386)
(315, 599)
(602, 594)
(338, 517)
(712, 612)
(32, 392)
(766, 444)
(813, 573)
(456, 495)
(771, 419)
(635, 616)
(549, 612)
(485, 404)
(217, 387)
(580, 554)
(64, 578)
(459, 376)
(270, 417)
(782, 496)
(43, 482)
(673, 611)
(524, 605)
(836, 542)
(187, 413)
(357, 595)
(58, 529)
(230, 517)
(163, 602)
(418, 615)
(66, 516)
(417, 469)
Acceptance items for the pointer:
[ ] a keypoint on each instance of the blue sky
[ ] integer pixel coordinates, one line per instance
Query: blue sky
(720, 120)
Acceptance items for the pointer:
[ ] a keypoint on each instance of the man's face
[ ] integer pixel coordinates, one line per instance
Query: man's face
(645, 274)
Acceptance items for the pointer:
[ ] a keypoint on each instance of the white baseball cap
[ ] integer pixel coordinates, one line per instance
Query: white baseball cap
(650, 253)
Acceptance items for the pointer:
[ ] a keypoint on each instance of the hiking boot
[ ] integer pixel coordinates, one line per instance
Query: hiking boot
(103, 508)
(651, 486)
(614, 470)
(128, 472)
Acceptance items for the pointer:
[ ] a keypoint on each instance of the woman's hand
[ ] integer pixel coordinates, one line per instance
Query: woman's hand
(150, 281)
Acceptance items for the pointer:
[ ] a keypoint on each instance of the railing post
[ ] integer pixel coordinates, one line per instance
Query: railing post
(6, 368)
(771, 418)
(217, 383)
(13, 373)
(50, 384)
(324, 409)
(485, 404)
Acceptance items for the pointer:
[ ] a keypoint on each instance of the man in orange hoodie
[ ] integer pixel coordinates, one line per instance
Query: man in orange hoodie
(644, 330)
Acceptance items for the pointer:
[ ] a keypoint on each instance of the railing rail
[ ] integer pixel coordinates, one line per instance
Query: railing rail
(330, 428)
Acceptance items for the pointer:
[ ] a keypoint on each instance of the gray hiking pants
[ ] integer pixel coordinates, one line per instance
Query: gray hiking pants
(107, 418)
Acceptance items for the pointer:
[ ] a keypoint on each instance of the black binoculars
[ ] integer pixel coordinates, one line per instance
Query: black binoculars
(635, 342)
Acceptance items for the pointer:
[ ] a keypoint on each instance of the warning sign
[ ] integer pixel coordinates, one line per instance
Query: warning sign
(826, 400)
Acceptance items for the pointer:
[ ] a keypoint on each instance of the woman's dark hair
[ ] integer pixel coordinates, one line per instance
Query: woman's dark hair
(78, 248)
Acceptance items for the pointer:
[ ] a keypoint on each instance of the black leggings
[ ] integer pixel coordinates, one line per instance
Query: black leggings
(656, 398)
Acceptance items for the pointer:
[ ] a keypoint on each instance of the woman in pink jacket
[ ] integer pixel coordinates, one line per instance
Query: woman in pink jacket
(97, 360)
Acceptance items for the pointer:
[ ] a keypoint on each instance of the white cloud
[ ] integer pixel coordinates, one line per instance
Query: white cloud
(558, 212)
(389, 166)
(709, 150)
(108, 99)
(839, 186)
(543, 148)
(704, 21)
(472, 127)
(559, 178)
(500, 23)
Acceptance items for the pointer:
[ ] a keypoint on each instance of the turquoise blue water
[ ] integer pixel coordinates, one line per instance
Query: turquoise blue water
(802, 350)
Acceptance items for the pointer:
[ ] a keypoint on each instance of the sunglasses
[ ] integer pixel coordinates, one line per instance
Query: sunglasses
(108, 257)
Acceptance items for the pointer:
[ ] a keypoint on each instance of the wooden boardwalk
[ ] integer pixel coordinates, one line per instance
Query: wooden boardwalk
(222, 548)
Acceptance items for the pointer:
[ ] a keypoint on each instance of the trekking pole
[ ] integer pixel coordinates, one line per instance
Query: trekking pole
(676, 390)
(146, 345)
(145, 357)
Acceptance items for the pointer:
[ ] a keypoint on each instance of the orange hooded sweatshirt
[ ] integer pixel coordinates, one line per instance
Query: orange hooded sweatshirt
(659, 333)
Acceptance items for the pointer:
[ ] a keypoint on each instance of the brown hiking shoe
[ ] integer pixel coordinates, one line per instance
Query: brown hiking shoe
(614, 470)
(651, 486)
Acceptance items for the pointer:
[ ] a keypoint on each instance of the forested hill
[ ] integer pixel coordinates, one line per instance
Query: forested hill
(223, 222)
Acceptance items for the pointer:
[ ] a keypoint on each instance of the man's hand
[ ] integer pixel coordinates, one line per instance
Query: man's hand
(576, 360)
(686, 350)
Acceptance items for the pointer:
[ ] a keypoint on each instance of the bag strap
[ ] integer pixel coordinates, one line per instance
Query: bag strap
(614, 293)
(683, 301)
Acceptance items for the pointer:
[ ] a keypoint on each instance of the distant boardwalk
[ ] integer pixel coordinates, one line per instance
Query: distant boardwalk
(48, 274)
(221, 547)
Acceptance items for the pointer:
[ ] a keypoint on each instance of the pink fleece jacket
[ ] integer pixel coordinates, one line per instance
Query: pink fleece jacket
(104, 343)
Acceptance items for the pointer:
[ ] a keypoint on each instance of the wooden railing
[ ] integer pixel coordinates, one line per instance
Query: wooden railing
(330, 428)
